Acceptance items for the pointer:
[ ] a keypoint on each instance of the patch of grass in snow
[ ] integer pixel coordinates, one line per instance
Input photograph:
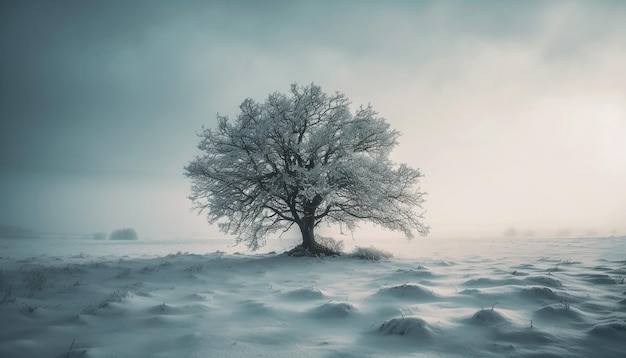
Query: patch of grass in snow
(371, 253)
(6, 291)
(116, 296)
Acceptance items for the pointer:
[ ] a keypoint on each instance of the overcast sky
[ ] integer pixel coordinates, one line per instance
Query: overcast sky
(515, 111)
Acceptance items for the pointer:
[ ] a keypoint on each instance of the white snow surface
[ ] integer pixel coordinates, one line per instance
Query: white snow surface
(446, 298)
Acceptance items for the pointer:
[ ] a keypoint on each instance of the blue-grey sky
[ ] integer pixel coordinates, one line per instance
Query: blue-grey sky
(515, 111)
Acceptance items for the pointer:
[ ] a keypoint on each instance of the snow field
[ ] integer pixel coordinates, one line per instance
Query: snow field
(273, 305)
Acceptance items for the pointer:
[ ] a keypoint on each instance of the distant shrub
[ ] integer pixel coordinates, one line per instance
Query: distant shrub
(371, 254)
(124, 234)
(330, 243)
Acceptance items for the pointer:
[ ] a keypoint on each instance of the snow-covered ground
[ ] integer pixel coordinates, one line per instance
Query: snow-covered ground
(436, 298)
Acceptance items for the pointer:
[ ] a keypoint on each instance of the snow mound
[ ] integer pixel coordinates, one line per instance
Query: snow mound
(334, 310)
(558, 312)
(539, 293)
(198, 297)
(471, 292)
(598, 279)
(409, 291)
(167, 309)
(527, 337)
(406, 326)
(615, 330)
(305, 293)
(543, 281)
(487, 317)
(413, 273)
(490, 282)
(254, 307)
(442, 263)
(619, 271)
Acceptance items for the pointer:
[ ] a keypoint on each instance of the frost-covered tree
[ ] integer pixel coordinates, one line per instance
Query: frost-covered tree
(302, 159)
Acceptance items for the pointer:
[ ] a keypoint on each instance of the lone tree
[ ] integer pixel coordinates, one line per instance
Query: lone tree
(302, 158)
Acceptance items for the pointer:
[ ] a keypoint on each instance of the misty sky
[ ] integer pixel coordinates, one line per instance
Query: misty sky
(514, 111)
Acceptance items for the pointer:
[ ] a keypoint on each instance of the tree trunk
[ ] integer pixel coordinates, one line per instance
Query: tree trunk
(308, 237)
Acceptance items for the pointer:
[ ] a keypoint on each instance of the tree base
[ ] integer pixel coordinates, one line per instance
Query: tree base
(315, 251)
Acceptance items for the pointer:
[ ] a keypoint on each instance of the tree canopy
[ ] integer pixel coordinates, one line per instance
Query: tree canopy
(301, 159)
